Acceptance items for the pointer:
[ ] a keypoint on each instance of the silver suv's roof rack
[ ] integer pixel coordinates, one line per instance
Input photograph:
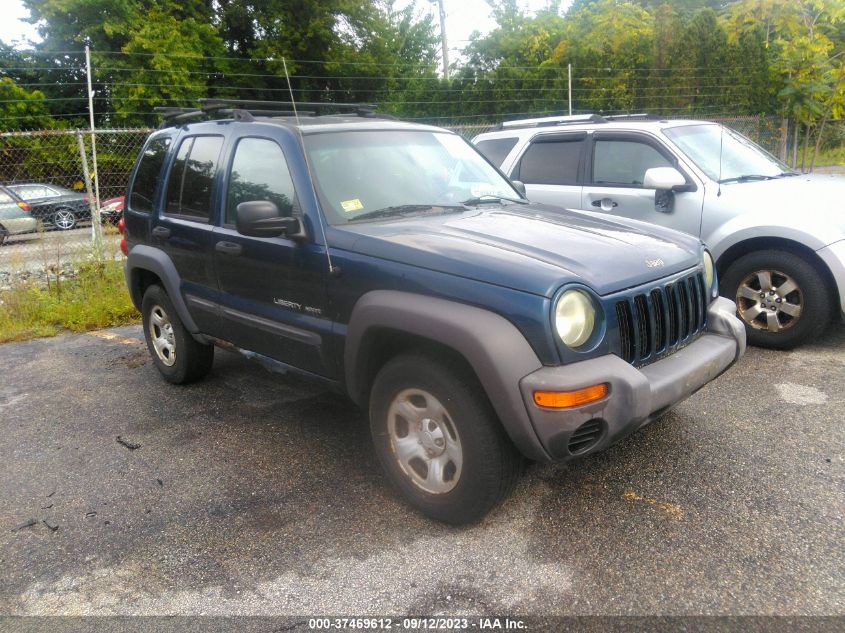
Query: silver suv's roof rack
(572, 119)
(633, 116)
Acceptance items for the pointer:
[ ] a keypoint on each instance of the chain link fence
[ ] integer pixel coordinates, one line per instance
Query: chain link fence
(46, 205)
(53, 160)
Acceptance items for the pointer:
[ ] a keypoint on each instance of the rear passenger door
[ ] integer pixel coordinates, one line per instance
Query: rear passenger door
(614, 181)
(183, 229)
(551, 167)
(272, 289)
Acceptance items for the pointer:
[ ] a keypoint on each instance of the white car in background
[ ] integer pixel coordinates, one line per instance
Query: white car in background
(778, 237)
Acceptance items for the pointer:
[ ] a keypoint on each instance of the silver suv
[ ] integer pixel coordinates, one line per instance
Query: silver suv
(778, 237)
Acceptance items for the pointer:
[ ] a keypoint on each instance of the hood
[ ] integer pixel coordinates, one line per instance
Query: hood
(533, 248)
(812, 201)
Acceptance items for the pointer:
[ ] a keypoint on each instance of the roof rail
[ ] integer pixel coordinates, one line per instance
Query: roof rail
(246, 110)
(572, 119)
(633, 116)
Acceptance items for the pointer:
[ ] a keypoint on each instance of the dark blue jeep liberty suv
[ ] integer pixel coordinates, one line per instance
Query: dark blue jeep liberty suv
(394, 262)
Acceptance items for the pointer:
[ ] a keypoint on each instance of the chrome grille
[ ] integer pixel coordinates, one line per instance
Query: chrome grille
(653, 323)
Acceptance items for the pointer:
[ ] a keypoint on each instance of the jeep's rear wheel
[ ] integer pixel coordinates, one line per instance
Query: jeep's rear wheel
(780, 297)
(178, 356)
(439, 440)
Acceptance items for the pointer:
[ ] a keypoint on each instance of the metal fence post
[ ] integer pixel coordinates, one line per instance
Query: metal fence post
(96, 227)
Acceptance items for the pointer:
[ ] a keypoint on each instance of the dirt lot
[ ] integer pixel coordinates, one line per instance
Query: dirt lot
(254, 494)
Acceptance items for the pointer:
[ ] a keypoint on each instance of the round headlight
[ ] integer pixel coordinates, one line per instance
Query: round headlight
(575, 317)
(708, 270)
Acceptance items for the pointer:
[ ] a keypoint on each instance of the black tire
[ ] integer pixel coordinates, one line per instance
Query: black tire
(491, 464)
(64, 219)
(812, 295)
(192, 360)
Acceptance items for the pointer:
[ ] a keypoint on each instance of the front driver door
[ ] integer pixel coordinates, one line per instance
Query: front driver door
(615, 176)
(272, 289)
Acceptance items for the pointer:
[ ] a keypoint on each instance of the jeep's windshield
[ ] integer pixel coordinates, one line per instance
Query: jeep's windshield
(372, 174)
(742, 160)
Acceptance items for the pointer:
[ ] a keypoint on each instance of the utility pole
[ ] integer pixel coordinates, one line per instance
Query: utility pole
(96, 228)
(443, 43)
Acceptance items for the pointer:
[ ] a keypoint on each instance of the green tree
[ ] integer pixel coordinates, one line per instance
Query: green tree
(22, 109)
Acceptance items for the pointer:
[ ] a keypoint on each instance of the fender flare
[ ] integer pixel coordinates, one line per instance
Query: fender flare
(494, 348)
(154, 260)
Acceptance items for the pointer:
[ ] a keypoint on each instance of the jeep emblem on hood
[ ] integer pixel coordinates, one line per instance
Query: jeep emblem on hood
(654, 263)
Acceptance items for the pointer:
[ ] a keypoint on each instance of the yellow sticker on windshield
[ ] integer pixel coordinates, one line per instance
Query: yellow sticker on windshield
(352, 205)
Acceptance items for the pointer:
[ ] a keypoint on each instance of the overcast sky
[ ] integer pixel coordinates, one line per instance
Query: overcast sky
(462, 18)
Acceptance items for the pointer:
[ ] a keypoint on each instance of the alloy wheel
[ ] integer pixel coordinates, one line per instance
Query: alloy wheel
(161, 335)
(769, 300)
(64, 219)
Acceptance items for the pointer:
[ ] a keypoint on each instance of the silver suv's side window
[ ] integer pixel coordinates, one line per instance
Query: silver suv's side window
(496, 150)
(624, 162)
(259, 172)
(549, 162)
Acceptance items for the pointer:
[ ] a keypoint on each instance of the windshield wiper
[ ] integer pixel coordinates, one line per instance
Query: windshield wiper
(491, 197)
(747, 178)
(401, 209)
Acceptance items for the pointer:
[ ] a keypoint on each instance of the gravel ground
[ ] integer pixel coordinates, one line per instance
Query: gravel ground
(258, 494)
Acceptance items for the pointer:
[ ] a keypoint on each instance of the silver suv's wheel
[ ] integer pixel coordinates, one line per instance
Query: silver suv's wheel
(781, 297)
(769, 300)
(177, 355)
(424, 440)
(439, 439)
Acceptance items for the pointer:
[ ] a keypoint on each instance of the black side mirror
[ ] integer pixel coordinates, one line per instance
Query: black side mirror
(519, 186)
(664, 201)
(261, 218)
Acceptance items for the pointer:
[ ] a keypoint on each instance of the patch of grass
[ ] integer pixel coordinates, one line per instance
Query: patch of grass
(95, 297)
(831, 157)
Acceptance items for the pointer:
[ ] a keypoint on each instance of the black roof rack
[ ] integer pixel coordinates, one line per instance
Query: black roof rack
(246, 110)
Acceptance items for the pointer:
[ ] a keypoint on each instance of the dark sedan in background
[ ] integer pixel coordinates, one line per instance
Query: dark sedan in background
(55, 206)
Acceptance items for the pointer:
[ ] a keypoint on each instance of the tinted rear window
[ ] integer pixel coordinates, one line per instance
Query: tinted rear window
(192, 177)
(551, 163)
(146, 177)
(496, 149)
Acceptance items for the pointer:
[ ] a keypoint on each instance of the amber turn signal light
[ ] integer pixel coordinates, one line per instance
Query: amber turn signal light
(569, 399)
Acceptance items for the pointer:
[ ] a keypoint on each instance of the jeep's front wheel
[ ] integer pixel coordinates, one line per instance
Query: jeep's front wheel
(439, 440)
(780, 296)
(178, 356)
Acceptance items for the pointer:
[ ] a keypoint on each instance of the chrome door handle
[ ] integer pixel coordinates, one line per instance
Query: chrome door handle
(598, 203)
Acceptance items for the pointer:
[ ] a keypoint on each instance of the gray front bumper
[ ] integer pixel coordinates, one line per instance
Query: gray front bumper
(636, 396)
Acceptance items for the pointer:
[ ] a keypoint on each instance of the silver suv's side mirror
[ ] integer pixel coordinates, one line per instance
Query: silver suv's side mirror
(663, 179)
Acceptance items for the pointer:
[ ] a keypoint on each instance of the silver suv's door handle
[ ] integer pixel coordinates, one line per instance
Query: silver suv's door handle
(228, 248)
(611, 203)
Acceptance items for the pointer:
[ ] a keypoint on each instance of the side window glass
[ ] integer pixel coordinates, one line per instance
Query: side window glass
(496, 149)
(147, 175)
(259, 172)
(191, 179)
(551, 163)
(624, 162)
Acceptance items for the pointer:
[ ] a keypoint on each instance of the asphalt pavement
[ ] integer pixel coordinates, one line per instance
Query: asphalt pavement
(254, 493)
